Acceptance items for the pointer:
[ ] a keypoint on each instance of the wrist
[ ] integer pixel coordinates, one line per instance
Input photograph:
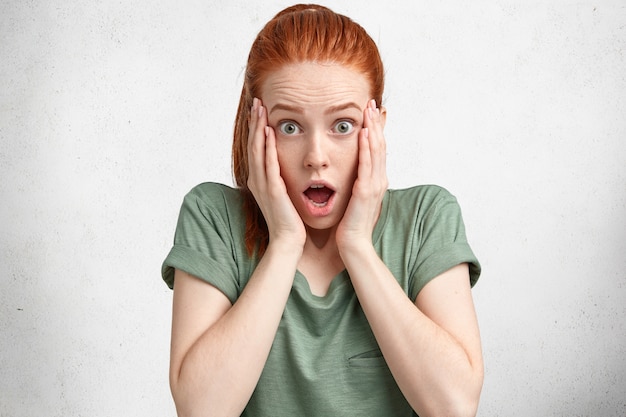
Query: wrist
(355, 247)
(285, 248)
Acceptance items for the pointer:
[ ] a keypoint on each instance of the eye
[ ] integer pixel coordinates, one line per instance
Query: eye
(289, 128)
(344, 127)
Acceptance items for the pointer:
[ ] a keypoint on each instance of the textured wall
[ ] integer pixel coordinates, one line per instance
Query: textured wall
(111, 111)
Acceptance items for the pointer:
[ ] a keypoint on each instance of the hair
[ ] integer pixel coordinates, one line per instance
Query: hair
(301, 33)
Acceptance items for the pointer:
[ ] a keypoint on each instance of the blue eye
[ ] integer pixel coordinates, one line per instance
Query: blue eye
(289, 128)
(344, 127)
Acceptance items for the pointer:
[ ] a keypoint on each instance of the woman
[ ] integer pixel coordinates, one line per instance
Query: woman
(311, 289)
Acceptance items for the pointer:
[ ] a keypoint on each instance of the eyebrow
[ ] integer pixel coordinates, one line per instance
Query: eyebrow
(286, 107)
(330, 110)
(341, 107)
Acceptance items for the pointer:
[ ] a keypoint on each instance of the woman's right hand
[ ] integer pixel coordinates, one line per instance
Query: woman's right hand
(264, 181)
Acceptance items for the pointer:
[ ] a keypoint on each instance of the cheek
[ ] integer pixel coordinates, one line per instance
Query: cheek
(286, 160)
(348, 156)
(281, 153)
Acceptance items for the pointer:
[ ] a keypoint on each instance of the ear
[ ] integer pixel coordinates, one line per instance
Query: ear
(383, 115)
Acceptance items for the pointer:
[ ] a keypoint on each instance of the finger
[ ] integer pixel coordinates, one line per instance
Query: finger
(377, 142)
(371, 112)
(364, 170)
(272, 166)
(253, 122)
(256, 141)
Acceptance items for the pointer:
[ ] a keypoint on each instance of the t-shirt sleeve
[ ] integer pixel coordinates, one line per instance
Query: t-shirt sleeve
(442, 243)
(203, 243)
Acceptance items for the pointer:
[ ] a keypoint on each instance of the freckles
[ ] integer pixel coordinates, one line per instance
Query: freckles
(284, 153)
(282, 163)
(348, 157)
(287, 159)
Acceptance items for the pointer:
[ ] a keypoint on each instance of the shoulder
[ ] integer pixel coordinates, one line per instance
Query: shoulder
(421, 198)
(217, 204)
(211, 194)
(208, 242)
(417, 211)
(409, 210)
(427, 220)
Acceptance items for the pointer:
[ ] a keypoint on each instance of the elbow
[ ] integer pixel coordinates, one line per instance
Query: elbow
(176, 396)
(200, 403)
(470, 410)
(183, 408)
(175, 391)
(461, 401)
(462, 406)
(465, 409)
(181, 401)
(466, 402)
(185, 404)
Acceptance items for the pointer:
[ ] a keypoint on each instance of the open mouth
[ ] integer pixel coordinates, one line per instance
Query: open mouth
(319, 194)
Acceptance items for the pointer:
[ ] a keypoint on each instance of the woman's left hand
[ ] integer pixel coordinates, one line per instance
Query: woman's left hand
(363, 210)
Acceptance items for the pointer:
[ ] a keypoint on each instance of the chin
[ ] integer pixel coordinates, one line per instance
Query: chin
(318, 223)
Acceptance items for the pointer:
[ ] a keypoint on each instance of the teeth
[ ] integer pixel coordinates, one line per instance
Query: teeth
(317, 186)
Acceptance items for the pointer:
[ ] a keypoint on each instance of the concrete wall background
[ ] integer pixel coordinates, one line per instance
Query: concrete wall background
(111, 111)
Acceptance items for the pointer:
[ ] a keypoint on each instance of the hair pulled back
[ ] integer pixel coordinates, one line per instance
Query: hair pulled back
(301, 33)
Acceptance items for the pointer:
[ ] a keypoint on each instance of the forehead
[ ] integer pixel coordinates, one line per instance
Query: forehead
(312, 82)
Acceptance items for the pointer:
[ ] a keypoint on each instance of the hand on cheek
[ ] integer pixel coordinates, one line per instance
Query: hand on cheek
(368, 191)
(266, 184)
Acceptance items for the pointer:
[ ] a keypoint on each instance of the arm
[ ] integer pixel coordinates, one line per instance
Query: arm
(432, 346)
(218, 351)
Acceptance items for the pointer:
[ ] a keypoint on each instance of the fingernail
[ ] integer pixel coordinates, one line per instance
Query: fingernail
(261, 111)
(366, 132)
(267, 131)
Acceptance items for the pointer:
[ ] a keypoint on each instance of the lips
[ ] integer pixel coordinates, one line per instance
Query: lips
(319, 194)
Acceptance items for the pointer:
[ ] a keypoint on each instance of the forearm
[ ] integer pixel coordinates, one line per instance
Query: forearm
(433, 370)
(221, 369)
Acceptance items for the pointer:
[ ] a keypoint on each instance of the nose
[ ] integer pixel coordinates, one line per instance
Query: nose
(316, 156)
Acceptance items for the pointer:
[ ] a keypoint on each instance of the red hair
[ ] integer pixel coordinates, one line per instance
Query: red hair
(301, 33)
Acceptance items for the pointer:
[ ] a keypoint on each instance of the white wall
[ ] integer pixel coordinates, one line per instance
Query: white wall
(111, 111)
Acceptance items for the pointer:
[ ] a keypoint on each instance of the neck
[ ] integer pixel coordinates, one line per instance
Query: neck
(321, 239)
(320, 261)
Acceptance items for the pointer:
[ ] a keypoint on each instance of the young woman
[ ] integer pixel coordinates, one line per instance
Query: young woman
(311, 289)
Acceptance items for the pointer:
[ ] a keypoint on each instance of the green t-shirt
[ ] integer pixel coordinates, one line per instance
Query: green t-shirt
(324, 360)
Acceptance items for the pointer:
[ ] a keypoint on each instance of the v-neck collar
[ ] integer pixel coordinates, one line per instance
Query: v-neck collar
(338, 281)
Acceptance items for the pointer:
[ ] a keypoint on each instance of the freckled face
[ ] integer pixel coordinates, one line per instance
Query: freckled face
(316, 111)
